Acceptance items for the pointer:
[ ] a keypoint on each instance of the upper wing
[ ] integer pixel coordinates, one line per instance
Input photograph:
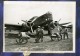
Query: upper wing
(65, 23)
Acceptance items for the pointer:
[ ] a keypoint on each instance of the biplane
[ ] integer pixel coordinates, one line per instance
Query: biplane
(44, 20)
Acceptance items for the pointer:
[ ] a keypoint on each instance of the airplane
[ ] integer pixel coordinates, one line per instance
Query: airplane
(32, 23)
(44, 20)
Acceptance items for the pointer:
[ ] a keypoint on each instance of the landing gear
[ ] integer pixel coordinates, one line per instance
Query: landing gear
(22, 40)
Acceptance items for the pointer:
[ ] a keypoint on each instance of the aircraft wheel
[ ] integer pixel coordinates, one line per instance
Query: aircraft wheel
(19, 40)
(25, 40)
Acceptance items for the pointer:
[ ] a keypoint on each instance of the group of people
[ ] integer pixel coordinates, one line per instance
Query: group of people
(63, 32)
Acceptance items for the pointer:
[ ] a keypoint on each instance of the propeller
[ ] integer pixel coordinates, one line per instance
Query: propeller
(24, 20)
(59, 19)
(29, 24)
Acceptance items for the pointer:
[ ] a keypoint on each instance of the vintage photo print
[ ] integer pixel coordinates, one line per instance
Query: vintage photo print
(39, 26)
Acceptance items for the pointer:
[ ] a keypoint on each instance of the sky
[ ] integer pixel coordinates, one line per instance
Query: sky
(16, 11)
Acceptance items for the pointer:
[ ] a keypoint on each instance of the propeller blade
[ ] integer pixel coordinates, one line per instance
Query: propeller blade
(59, 19)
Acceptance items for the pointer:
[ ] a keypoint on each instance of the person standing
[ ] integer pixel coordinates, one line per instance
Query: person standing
(39, 34)
(65, 33)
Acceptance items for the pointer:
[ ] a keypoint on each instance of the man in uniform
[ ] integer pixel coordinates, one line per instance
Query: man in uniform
(39, 34)
(65, 32)
(42, 34)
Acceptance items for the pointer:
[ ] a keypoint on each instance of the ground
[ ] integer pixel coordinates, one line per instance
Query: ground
(46, 45)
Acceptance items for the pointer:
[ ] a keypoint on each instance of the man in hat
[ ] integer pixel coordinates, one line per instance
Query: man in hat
(39, 34)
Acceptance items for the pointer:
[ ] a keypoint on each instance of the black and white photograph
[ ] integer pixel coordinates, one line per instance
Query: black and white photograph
(39, 26)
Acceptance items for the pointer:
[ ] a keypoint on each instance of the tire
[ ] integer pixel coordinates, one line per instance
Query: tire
(25, 40)
(19, 40)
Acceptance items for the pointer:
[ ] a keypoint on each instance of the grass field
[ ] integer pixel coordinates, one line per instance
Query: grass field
(46, 45)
